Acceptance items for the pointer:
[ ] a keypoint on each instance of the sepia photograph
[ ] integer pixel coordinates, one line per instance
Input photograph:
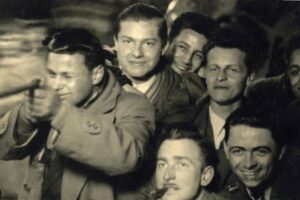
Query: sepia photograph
(150, 100)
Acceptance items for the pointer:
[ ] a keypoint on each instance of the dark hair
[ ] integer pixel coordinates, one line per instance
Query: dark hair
(229, 37)
(196, 22)
(177, 131)
(254, 29)
(76, 40)
(257, 117)
(289, 45)
(142, 11)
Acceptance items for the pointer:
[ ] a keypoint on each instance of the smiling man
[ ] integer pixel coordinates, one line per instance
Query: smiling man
(254, 145)
(185, 164)
(188, 35)
(227, 69)
(140, 39)
(80, 127)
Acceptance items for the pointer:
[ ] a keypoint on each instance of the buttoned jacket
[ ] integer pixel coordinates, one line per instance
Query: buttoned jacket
(104, 139)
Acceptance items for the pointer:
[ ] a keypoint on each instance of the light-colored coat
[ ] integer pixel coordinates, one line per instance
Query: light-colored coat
(97, 142)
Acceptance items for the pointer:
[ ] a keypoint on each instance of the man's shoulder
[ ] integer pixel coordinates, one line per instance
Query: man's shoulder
(233, 189)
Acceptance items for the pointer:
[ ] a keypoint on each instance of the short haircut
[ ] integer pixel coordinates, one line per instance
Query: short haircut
(177, 131)
(194, 21)
(76, 40)
(140, 12)
(229, 37)
(289, 45)
(258, 118)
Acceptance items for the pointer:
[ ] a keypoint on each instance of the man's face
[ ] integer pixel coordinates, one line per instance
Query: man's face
(179, 169)
(252, 154)
(226, 74)
(188, 51)
(139, 47)
(294, 72)
(69, 77)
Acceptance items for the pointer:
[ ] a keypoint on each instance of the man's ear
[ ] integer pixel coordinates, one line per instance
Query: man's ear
(281, 153)
(201, 72)
(207, 175)
(115, 41)
(97, 74)
(250, 78)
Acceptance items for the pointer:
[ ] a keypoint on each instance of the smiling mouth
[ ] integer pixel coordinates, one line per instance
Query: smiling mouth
(181, 67)
(137, 62)
(171, 187)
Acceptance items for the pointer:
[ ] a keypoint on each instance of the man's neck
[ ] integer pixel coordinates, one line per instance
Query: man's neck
(224, 111)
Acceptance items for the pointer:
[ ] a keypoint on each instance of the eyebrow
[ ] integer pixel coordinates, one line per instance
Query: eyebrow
(130, 38)
(62, 73)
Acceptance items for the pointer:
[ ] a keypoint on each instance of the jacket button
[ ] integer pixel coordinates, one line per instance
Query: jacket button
(27, 188)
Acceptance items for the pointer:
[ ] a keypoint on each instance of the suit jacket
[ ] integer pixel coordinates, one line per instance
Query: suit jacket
(274, 92)
(97, 142)
(202, 122)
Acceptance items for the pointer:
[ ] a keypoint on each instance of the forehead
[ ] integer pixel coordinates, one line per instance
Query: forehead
(65, 61)
(140, 27)
(192, 36)
(250, 137)
(226, 56)
(185, 148)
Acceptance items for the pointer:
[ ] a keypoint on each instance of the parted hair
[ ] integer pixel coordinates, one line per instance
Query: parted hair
(76, 40)
(143, 11)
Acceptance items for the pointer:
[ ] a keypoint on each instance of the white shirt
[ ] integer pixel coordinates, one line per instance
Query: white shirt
(218, 127)
(143, 87)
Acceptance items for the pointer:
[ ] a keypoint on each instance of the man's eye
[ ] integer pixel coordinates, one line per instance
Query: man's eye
(212, 68)
(150, 43)
(237, 152)
(199, 56)
(262, 152)
(161, 164)
(295, 72)
(51, 75)
(67, 77)
(181, 47)
(126, 41)
(182, 165)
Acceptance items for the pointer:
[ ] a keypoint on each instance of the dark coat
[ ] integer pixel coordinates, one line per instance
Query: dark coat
(202, 122)
(274, 92)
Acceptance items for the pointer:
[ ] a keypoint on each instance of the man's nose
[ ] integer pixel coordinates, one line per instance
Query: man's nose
(221, 75)
(170, 173)
(138, 50)
(188, 58)
(249, 161)
(57, 83)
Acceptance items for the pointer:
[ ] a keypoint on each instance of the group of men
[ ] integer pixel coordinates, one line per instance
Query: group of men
(87, 131)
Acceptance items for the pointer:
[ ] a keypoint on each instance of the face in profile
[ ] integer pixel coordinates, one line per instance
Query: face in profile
(139, 47)
(294, 72)
(181, 169)
(252, 153)
(188, 51)
(69, 76)
(226, 74)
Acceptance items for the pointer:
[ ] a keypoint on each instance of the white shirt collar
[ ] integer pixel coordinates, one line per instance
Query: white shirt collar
(218, 127)
(143, 87)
